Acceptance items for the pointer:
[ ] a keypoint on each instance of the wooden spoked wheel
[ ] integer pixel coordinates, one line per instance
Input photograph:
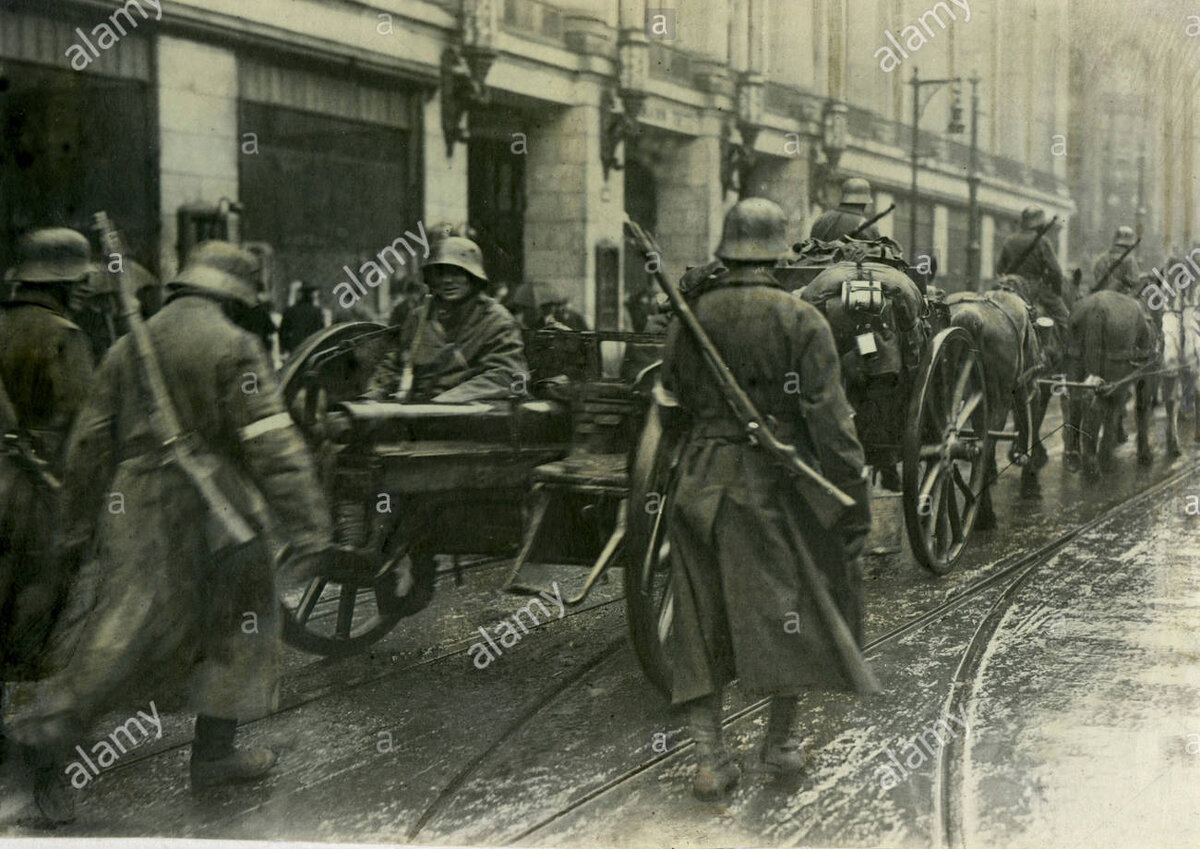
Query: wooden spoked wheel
(356, 605)
(946, 450)
(649, 600)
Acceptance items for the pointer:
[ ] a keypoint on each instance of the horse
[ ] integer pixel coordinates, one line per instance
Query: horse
(1181, 361)
(1051, 347)
(1113, 344)
(1000, 324)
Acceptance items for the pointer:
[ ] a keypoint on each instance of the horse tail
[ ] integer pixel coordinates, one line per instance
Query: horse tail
(1094, 340)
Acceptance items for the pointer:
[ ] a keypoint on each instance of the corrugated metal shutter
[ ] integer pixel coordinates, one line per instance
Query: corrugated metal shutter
(323, 94)
(26, 37)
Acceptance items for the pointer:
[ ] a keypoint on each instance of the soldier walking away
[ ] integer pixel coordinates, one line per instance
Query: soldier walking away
(177, 619)
(1036, 263)
(1123, 273)
(739, 597)
(301, 320)
(838, 223)
(45, 370)
(461, 345)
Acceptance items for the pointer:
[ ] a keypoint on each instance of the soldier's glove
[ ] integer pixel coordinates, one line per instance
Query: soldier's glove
(855, 525)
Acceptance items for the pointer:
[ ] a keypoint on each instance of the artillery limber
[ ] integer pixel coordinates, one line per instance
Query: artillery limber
(916, 384)
(410, 482)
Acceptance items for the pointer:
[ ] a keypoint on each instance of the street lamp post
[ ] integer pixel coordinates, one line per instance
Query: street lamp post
(974, 272)
(916, 82)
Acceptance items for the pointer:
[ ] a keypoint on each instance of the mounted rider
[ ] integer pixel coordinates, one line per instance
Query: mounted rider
(838, 223)
(1119, 264)
(1030, 255)
(733, 508)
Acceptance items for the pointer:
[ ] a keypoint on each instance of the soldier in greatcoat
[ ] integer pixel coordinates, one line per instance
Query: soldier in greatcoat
(740, 607)
(45, 358)
(848, 216)
(470, 347)
(1039, 267)
(45, 371)
(173, 623)
(1125, 272)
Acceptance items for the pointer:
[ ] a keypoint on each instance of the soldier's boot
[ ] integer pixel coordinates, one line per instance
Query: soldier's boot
(215, 761)
(781, 748)
(716, 773)
(53, 794)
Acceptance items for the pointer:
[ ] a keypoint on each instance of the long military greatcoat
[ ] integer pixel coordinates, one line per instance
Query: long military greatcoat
(471, 351)
(46, 368)
(152, 633)
(740, 608)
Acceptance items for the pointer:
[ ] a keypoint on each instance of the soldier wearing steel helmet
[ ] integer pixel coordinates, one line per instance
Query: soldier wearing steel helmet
(1038, 266)
(462, 344)
(848, 216)
(738, 598)
(45, 358)
(45, 370)
(1125, 272)
(170, 624)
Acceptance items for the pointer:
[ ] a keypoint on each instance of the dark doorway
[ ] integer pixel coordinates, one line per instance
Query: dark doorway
(74, 144)
(324, 191)
(496, 203)
(641, 205)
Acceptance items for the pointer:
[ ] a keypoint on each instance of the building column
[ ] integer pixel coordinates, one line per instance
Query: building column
(785, 181)
(571, 207)
(445, 176)
(198, 127)
(886, 225)
(941, 235)
(987, 246)
(691, 208)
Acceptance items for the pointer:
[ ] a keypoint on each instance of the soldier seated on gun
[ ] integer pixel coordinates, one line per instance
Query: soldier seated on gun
(460, 345)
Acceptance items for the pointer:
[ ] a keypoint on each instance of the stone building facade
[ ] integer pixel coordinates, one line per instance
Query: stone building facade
(338, 125)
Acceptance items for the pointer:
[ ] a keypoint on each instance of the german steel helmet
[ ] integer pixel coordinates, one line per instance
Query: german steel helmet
(222, 269)
(1033, 217)
(460, 253)
(1125, 237)
(856, 191)
(52, 255)
(754, 232)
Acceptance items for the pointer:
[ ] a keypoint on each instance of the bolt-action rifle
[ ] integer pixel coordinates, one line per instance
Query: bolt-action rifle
(1100, 283)
(1032, 246)
(227, 528)
(826, 500)
(879, 216)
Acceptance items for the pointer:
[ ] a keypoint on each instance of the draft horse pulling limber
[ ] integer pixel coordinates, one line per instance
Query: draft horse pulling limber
(1113, 345)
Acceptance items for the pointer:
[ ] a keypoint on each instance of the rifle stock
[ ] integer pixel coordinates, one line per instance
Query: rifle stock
(828, 502)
